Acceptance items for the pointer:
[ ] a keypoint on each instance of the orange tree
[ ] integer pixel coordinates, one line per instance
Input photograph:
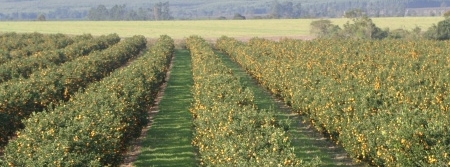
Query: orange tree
(229, 129)
(24, 67)
(96, 127)
(21, 97)
(386, 102)
(29, 44)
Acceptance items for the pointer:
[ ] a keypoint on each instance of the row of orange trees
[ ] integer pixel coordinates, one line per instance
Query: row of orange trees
(19, 98)
(229, 129)
(94, 128)
(25, 66)
(15, 46)
(386, 102)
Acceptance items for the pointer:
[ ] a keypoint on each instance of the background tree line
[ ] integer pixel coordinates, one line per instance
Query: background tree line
(196, 9)
(159, 11)
(360, 26)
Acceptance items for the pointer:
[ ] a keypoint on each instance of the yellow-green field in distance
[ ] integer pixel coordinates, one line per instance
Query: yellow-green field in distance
(204, 28)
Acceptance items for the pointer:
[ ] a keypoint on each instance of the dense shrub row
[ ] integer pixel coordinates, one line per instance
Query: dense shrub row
(19, 98)
(229, 129)
(94, 128)
(387, 102)
(26, 66)
(12, 40)
(15, 46)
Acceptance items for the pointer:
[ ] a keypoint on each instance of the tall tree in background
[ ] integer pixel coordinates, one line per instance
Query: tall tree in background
(161, 11)
(157, 11)
(99, 13)
(443, 29)
(362, 27)
(325, 29)
(286, 9)
(144, 13)
(117, 12)
(275, 10)
(41, 17)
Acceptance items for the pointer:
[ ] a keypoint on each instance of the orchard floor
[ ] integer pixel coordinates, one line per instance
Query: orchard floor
(167, 139)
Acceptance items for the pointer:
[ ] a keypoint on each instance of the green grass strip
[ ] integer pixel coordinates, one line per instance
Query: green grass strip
(168, 141)
(306, 146)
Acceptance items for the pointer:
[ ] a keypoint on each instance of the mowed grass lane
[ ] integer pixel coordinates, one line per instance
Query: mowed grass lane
(306, 142)
(168, 141)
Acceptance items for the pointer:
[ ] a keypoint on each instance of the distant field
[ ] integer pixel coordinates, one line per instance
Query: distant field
(204, 28)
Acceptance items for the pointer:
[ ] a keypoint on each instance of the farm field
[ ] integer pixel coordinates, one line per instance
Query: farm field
(229, 129)
(77, 99)
(386, 102)
(96, 124)
(85, 111)
(299, 28)
(304, 139)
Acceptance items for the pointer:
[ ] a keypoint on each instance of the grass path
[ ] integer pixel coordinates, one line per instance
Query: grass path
(168, 141)
(307, 142)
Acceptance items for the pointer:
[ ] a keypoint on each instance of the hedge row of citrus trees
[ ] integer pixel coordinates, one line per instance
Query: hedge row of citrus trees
(229, 129)
(15, 41)
(19, 98)
(14, 46)
(24, 67)
(386, 102)
(94, 128)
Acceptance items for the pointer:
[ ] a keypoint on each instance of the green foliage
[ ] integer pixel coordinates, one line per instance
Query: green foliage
(354, 14)
(447, 14)
(26, 66)
(386, 101)
(22, 97)
(95, 128)
(431, 33)
(441, 31)
(229, 129)
(18, 46)
(238, 16)
(41, 17)
(324, 29)
(398, 34)
(362, 27)
(414, 34)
